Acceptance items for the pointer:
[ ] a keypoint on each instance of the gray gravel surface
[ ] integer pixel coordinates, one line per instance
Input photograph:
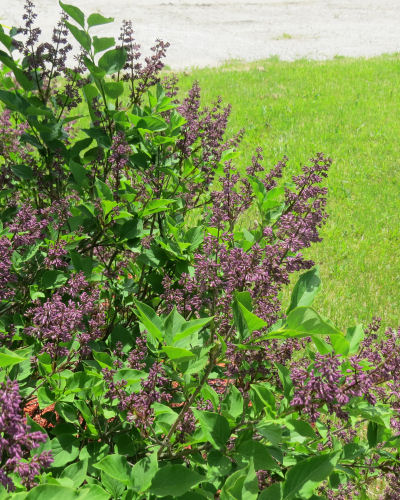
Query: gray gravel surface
(209, 32)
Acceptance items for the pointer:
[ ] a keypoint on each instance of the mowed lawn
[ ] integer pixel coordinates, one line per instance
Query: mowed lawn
(348, 109)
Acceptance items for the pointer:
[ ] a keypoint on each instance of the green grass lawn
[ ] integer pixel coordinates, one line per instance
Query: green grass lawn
(350, 110)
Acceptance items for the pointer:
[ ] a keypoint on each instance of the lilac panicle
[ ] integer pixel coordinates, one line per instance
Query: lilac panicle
(138, 405)
(141, 76)
(72, 312)
(11, 149)
(56, 255)
(6, 275)
(119, 158)
(27, 227)
(203, 139)
(16, 441)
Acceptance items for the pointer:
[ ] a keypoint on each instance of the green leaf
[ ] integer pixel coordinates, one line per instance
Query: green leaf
(232, 489)
(113, 89)
(149, 123)
(9, 358)
(354, 336)
(340, 344)
(286, 381)
(242, 484)
(74, 12)
(108, 206)
(305, 289)
(197, 365)
(68, 412)
(304, 477)
(174, 480)
(98, 134)
(273, 492)
(246, 321)
(5, 39)
(113, 61)
(177, 354)
(53, 279)
(172, 324)
(45, 397)
(259, 453)
(115, 487)
(150, 320)
(245, 299)
(372, 434)
(143, 472)
(97, 19)
(271, 430)
(253, 322)
(263, 398)
(190, 328)
(378, 413)
(104, 359)
(39, 111)
(76, 472)
(302, 428)
(195, 236)
(218, 464)
(131, 229)
(80, 36)
(81, 381)
(32, 251)
(250, 483)
(65, 449)
(82, 263)
(322, 346)
(115, 466)
(302, 322)
(93, 492)
(47, 491)
(91, 92)
(20, 76)
(238, 318)
(103, 191)
(232, 405)
(208, 393)
(155, 206)
(14, 101)
(101, 44)
(214, 426)
(307, 321)
(79, 173)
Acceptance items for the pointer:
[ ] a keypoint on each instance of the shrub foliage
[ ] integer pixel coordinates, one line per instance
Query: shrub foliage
(144, 351)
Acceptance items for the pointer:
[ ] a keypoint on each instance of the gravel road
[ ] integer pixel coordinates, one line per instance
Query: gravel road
(209, 32)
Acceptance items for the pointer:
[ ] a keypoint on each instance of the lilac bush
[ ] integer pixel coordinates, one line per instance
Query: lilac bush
(141, 275)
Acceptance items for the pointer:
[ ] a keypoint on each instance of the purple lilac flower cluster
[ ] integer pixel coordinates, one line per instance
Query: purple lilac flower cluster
(6, 275)
(137, 406)
(73, 312)
(11, 149)
(56, 255)
(203, 141)
(333, 380)
(47, 60)
(141, 76)
(16, 441)
(119, 158)
(28, 227)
